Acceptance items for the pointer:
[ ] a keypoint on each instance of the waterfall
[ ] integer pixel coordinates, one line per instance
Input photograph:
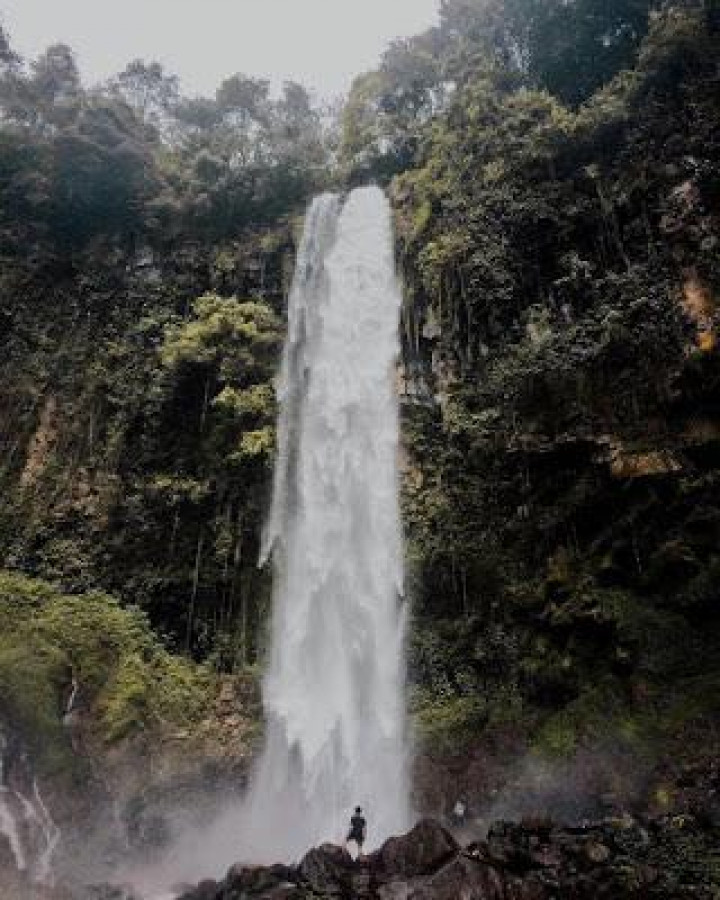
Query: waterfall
(334, 688)
(25, 821)
(9, 828)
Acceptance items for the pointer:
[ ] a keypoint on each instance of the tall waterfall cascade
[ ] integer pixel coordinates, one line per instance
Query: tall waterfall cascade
(334, 688)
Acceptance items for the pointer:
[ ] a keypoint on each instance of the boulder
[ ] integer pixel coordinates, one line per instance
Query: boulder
(206, 890)
(462, 879)
(256, 880)
(671, 859)
(509, 846)
(328, 870)
(400, 890)
(421, 852)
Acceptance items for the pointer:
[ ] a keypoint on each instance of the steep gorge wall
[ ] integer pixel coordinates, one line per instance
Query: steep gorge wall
(562, 274)
(110, 475)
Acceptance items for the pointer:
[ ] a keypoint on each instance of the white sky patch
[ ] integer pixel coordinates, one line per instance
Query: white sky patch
(321, 43)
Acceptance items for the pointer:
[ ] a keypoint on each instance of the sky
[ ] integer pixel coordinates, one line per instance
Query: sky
(321, 43)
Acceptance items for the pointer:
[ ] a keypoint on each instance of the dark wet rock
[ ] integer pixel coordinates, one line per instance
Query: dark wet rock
(422, 851)
(462, 877)
(206, 890)
(328, 871)
(508, 845)
(624, 859)
(399, 890)
(256, 879)
(243, 882)
(108, 892)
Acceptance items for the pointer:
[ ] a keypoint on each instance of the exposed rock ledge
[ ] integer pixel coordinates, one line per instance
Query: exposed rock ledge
(671, 859)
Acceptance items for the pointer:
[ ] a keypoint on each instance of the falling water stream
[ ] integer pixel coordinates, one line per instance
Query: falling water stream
(334, 688)
(25, 821)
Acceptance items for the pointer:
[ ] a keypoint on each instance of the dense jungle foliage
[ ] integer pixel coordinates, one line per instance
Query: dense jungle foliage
(137, 406)
(51, 641)
(555, 171)
(561, 267)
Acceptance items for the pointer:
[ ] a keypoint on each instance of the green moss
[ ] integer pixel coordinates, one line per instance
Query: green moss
(558, 737)
(421, 218)
(453, 722)
(449, 723)
(130, 682)
(607, 714)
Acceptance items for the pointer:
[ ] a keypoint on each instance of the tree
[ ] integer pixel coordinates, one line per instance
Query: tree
(9, 60)
(574, 48)
(14, 100)
(55, 77)
(103, 173)
(243, 100)
(198, 114)
(297, 137)
(568, 47)
(147, 89)
(388, 109)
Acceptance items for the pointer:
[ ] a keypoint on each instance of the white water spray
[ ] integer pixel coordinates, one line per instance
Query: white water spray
(9, 829)
(334, 689)
(25, 820)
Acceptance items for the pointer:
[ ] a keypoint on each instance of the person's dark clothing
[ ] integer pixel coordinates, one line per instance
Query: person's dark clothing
(357, 829)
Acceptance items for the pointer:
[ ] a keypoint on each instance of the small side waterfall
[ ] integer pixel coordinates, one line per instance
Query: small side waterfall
(334, 689)
(25, 821)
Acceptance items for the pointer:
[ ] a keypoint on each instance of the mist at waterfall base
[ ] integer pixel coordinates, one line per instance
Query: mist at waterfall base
(333, 691)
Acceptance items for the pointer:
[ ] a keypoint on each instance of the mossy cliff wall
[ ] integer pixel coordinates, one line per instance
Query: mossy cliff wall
(562, 435)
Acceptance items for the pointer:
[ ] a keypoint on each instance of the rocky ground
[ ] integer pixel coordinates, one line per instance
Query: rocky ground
(666, 859)
(672, 857)
(658, 840)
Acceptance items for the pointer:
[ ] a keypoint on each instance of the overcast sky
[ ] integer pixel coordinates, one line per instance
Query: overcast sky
(321, 43)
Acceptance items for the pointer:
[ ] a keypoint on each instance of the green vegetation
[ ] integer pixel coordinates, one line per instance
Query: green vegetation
(555, 173)
(137, 409)
(127, 679)
(149, 477)
(562, 270)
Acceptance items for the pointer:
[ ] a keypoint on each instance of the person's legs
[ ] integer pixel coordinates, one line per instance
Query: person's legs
(358, 843)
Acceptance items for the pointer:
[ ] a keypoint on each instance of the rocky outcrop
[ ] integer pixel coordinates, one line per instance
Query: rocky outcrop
(623, 859)
(415, 855)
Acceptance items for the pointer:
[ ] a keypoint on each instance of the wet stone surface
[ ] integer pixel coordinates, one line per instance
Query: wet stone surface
(667, 859)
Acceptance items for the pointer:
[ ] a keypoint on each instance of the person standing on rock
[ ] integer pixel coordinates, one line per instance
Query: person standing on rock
(358, 827)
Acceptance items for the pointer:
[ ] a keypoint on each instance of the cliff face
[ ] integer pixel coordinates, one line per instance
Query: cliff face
(136, 414)
(146, 245)
(562, 273)
(137, 428)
